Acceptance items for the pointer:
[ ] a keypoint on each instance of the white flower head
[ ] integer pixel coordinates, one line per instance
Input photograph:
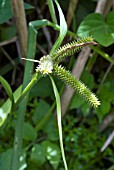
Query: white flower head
(45, 65)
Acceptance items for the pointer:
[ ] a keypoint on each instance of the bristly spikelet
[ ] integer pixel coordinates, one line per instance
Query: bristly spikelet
(78, 86)
(70, 48)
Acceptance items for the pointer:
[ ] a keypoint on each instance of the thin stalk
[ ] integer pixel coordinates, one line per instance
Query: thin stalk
(57, 28)
(91, 61)
(26, 90)
(52, 11)
(103, 54)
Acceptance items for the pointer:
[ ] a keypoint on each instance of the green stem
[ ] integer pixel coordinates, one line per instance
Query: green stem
(20, 112)
(57, 28)
(52, 11)
(103, 54)
(91, 61)
(26, 90)
(19, 124)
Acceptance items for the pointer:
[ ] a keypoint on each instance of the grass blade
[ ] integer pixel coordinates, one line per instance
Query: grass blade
(7, 88)
(59, 120)
(63, 29)
(17, 149)
(52, 11)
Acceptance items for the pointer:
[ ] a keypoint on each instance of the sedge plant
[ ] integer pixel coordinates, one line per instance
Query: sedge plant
(49, 65)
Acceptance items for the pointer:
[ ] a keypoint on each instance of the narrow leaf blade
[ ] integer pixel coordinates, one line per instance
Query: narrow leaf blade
(63, 29)
(59, 120)
(7, 88)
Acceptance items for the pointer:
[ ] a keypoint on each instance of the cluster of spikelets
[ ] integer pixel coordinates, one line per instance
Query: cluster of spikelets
(70, 48)
(49, 65)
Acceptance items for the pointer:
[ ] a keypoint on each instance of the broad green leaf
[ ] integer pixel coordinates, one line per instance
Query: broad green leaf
(76, 102)
(42, 88)
(52, 153)
(28, 6)
(38, 154)
(51, 129)
(5, 159)
(107, 91)
(40, 111)
(79, 103)
(5, 11)
(29, 132)
(95, 25)
(7, 33)
(103, 109)
(88, 79)
(6, 107)
(85, 108)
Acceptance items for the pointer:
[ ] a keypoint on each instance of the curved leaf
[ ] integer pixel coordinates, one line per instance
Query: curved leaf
(5, 11)
(7, 88)
(59, 120)
(63, 29)
(6, 107)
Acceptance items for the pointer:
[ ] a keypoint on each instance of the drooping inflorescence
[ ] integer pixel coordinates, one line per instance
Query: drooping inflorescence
(49, 65)
(70, 48)
(77, 85)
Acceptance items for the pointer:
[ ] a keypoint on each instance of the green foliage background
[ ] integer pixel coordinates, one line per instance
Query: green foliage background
(82, 136)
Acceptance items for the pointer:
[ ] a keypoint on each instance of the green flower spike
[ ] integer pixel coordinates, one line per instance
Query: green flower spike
(70, 48)
(78, 86)
(49, 65)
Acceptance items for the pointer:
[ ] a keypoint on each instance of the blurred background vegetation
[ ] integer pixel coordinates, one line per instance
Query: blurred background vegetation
(87, 133)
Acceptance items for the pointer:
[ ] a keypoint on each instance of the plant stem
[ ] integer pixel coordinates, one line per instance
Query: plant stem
(52, 11)
(103, 54)
(57, 27)
(20, 112)
(26, 90)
